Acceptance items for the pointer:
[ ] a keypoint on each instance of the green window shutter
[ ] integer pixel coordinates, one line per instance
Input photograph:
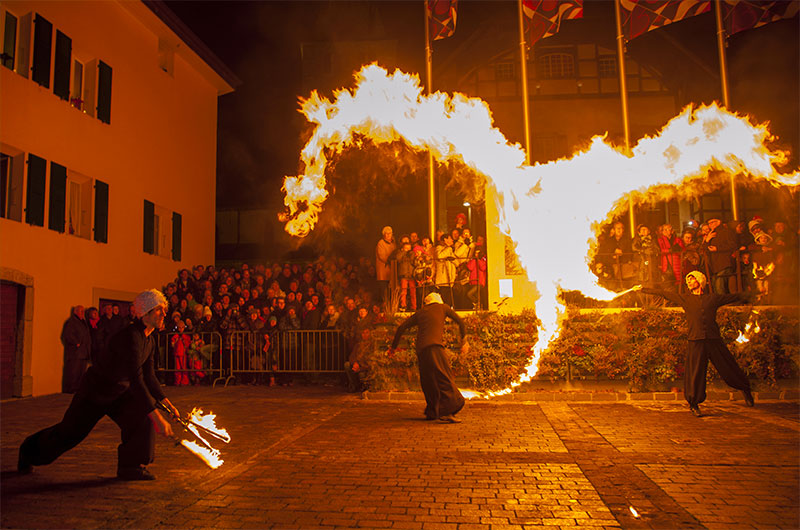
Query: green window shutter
(58, 196)
(10, 41)
(149, 227)
(104, 92)
(177, 222)
(62, 66)
(34, 203)
(100, 211)
(42, 42)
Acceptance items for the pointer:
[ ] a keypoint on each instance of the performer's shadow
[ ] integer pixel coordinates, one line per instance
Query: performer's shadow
(17, 487)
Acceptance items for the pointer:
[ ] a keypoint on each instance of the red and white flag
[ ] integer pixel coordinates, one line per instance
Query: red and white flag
(441, 18)
(640, 16)
(746, 14)
(543, 17)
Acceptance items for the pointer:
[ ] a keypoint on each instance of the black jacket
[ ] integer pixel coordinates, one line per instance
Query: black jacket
(430, 321)
(700, 310)
(127, 366)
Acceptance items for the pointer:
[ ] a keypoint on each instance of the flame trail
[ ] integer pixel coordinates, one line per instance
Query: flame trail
(690, 155)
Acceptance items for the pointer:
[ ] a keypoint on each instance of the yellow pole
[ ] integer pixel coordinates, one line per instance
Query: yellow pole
(723, 73)
(624, 92)
(524, 63)
(429, 86)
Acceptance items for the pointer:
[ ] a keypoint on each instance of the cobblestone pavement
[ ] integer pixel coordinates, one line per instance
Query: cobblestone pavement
(311, 457)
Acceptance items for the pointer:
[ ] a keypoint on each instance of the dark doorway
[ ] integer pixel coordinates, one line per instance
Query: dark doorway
(12, 302)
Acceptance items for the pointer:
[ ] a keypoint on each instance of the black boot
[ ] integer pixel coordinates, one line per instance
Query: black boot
(748, 398)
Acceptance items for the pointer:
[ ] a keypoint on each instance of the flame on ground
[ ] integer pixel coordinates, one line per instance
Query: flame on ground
(695, 153)
(211, 458)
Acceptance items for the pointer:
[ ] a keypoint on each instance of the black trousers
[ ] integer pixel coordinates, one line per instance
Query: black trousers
(442, 397)
(138, 435)
(698, 353)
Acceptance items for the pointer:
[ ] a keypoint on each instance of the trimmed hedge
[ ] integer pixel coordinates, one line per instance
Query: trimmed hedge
(644, 347)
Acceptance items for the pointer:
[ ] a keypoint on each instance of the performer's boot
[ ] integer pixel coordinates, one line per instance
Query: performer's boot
(695, 410)
(748, 398)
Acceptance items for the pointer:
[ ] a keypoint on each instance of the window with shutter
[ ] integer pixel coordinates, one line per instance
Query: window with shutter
(177, 221)
(104, 92)
(34, 204)
(42, 44)
(9, 40)
(58, 195)
(100, 211)
(149, 227)
(61, 78)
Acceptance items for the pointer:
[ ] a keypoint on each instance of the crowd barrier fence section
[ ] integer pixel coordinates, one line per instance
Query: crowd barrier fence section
(173, 359)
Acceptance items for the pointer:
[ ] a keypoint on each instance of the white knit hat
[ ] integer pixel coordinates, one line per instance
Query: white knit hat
(700, 277)
(433, 298)
(147, 300)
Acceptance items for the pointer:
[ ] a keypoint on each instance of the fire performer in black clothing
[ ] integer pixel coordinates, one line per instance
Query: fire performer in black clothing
(705, 341)
(441, 394)
(121, 384)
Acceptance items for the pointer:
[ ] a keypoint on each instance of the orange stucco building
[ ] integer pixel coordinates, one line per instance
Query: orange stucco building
(108, 132)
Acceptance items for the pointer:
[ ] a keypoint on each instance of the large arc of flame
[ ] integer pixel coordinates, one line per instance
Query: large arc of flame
(557, 205)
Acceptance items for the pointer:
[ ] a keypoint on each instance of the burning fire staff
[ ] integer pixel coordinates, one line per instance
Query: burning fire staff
(441, 394)
(122, 385)
(705, 341)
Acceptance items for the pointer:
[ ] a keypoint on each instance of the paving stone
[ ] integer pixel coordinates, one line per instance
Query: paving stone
(314, 458)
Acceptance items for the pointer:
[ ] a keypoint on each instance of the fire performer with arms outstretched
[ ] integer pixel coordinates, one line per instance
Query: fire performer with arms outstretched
(122, 385)
(441, 394)
(705, 341)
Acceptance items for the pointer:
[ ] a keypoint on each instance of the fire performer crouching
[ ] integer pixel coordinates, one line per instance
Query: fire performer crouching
(441, 394)
(705, 341)
(121, 384)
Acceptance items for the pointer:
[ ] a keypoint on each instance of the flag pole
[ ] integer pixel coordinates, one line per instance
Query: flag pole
(624, 92)
(429, 87)
(723, 74)
(524, 62)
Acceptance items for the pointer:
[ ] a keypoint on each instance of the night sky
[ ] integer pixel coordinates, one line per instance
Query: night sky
(261, 132)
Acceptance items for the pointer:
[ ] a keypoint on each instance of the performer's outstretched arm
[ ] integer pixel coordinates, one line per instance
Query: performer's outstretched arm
(407, 323)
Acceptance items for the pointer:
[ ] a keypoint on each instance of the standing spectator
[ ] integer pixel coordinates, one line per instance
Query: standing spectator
(720, 243)
(692, 260)
(77, 343)
(96, 332)
(330, 320)
(383, 252)
(616, 254)
(180, 343)
(405, 271)
(763, 257)
(110, 322)
(444, 267)
(195, 359)
(647, 249)
(671, 248)
(357, 365)
(477, 279)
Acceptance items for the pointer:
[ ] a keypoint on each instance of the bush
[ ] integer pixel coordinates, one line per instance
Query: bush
(646, 347)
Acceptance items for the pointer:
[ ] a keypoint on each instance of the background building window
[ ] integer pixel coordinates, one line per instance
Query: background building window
(79, 205)
(58, 191)
(556, 66)
(76, 99)
(100, 211)
(607, 67)
(34, 201)
(504, 71)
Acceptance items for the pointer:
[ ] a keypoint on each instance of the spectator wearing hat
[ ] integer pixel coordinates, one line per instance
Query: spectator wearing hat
(122, 385)
(442, 398)
(762, 255)
(705, 342)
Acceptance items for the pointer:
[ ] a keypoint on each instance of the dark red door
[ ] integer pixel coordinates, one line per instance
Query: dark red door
(11, 297)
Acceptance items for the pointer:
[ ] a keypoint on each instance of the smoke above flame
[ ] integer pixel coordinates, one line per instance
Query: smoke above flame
(552, 211)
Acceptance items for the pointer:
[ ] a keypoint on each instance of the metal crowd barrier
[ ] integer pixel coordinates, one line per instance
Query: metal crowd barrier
(251, 354)
(167, 363)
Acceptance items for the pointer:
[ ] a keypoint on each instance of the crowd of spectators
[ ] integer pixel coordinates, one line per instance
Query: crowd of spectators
(748, 256)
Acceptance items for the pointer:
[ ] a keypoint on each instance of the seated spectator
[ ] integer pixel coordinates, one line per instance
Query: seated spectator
(208, 323)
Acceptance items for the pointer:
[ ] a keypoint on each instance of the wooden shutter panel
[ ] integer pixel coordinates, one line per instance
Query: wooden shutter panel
(177, 222)
(58, 196)
(100, 211)
(104, 92)
(9, 40)
(42, 42)
(149, 227)
(34, 203)
(63, 64)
